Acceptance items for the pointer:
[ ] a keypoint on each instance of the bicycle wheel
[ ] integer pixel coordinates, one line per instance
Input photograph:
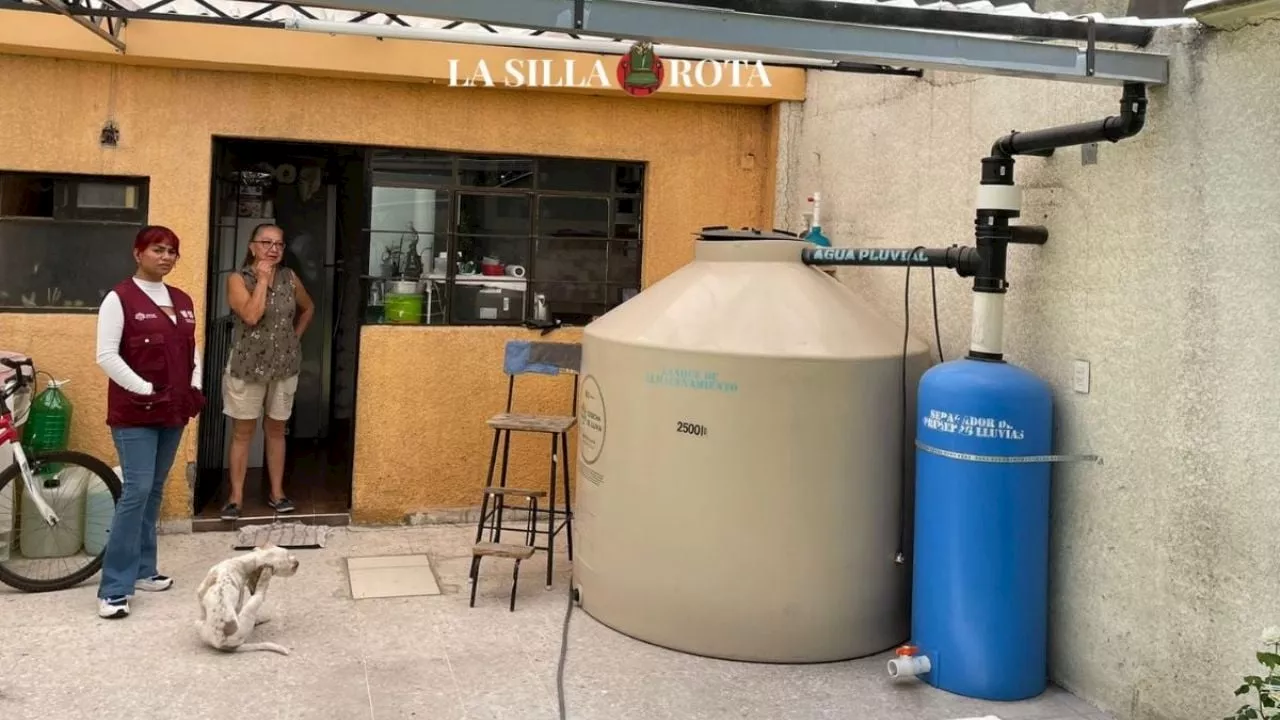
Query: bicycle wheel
(72, 483)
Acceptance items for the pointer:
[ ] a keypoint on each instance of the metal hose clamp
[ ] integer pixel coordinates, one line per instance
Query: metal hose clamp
(1007, 459)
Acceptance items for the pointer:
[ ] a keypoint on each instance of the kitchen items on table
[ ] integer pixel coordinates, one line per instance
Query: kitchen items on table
(490, 290)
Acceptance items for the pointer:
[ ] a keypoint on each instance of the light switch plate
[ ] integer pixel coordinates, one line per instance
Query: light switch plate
(1080, 382)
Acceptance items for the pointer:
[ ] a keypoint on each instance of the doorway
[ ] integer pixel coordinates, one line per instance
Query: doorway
(315, 194)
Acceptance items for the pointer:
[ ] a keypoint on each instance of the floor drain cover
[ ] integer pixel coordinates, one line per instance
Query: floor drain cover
(391, 576)
(285, 535)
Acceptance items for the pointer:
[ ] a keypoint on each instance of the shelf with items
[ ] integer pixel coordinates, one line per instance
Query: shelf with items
(502, 257)
(401, 301)
(494, 281)
(474, 299)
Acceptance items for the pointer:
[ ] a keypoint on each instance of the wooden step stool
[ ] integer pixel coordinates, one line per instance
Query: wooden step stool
(495, 548)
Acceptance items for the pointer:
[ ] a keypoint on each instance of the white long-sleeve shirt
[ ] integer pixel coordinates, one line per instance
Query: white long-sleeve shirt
(111, 327)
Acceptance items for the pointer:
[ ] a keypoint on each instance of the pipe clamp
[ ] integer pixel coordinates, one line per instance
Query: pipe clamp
(1007, 459)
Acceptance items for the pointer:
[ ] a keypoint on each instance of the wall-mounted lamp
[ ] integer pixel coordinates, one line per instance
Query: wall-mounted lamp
(110, 136)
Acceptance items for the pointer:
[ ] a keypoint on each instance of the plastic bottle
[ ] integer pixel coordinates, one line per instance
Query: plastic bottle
(64, 493)
(814, 233)
(49, 425)
(99, 510)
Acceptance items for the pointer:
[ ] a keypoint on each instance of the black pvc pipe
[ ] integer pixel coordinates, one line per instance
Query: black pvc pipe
(1029, 234)
(1130, 121)
(964, 260)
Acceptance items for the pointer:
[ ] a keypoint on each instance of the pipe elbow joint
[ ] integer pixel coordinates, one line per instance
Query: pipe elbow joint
(1133, 113)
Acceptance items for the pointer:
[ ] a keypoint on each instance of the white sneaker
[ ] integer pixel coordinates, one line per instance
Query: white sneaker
(113, 608)
(155, 583)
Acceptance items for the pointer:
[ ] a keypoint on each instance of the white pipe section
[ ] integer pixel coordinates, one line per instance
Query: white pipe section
(999, 197)
(909, 666)
(987, 333)
(602, 47)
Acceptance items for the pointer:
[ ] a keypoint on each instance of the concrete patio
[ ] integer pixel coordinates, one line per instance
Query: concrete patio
(414, 657)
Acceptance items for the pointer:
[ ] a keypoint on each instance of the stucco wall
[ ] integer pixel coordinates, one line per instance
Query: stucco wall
(1161, 272)
(435, 387)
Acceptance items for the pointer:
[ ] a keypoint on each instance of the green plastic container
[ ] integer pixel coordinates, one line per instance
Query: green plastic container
(49, 425)
(403, 309)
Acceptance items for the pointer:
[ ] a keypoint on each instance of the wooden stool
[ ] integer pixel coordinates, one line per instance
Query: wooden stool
(527, 357)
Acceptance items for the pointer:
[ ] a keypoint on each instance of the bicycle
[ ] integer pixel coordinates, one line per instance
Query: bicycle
(33, 483)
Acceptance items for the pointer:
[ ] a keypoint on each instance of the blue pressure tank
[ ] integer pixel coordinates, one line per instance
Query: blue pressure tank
(980, 588)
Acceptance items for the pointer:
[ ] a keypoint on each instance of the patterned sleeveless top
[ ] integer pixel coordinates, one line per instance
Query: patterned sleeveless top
(271, 349)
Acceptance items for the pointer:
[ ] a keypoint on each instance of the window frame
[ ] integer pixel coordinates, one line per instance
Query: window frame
(66, 212)
(66, 187)
(381, 177)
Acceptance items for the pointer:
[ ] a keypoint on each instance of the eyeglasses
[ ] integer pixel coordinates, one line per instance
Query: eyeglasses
(276, 245)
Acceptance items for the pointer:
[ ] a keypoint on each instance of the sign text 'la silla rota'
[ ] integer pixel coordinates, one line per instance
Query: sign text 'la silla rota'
(640, 72)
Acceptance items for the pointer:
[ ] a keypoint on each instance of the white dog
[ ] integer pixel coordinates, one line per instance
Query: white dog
(232, 594)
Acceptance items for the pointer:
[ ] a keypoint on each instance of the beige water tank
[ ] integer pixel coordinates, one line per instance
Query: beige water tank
(739, 461)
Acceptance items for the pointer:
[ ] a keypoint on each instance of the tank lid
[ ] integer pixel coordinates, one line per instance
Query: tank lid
(724, 232)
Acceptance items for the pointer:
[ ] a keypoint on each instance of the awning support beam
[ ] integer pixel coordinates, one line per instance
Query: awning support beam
(709, 27)
(885, 15)
(92, 24)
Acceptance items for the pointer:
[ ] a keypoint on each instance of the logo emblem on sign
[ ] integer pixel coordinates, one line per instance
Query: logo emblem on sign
(641, 71)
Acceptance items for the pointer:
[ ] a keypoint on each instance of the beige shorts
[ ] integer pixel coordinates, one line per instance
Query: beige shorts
(244, 400)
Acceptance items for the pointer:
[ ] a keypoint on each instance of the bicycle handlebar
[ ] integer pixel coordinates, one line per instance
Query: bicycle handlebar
(19, 380)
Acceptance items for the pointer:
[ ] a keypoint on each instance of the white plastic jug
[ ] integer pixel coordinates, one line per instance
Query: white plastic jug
(64, 493)
(99, 511)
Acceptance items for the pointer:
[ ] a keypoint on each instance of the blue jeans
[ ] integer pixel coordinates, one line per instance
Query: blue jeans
(146, 454)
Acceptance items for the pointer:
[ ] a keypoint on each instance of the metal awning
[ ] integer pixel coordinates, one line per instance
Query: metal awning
(725, 29)
(974, 37)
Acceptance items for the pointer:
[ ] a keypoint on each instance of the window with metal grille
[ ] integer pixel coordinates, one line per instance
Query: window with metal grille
(470, 239)
(65, 239)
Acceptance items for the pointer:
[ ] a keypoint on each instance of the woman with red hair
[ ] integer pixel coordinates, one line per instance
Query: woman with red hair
(147, 348)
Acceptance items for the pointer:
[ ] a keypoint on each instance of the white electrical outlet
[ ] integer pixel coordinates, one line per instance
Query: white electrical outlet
(1081, 380)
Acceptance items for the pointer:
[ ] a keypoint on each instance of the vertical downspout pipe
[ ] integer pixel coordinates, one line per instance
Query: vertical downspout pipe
(1000, 200)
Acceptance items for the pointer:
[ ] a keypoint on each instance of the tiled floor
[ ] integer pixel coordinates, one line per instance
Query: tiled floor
(424, 657)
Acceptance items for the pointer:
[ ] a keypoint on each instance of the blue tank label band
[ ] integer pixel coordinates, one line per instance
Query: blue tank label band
(690, 380)
(1007, 459)
(970, 426)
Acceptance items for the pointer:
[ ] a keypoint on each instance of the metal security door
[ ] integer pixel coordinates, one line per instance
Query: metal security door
(236, 203)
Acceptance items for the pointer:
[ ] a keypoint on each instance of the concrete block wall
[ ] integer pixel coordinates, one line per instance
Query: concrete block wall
(1162, 271)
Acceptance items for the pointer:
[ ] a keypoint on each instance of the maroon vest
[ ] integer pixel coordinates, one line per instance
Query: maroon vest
(161, 352)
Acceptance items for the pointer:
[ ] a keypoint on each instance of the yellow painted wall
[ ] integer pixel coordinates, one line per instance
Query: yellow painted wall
(422, 442)
(272, 50)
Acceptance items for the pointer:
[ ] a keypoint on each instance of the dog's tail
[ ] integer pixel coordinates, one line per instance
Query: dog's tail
(262, 646)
